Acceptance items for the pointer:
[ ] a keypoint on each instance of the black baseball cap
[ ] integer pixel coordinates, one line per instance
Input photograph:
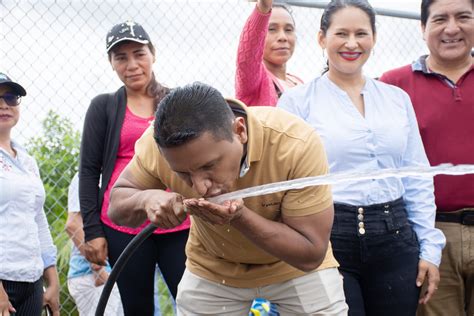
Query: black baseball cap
(126, 31)
(17, 88)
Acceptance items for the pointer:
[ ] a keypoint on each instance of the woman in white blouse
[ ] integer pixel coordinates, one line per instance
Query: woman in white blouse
(383, 234)
(27, 252)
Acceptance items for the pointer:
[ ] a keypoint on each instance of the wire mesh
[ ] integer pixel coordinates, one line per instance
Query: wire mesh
(56, 50)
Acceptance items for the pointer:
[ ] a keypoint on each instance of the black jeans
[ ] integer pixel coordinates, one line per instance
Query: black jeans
(378, 253)
(26, 298)
(136, 281)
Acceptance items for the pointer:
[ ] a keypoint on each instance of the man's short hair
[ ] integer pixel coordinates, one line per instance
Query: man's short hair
(188, 112)
(425, 11)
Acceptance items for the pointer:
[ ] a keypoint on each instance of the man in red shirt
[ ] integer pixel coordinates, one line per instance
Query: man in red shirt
(441, 87)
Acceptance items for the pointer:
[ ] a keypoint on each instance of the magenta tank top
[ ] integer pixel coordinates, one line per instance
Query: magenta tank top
(133, 127)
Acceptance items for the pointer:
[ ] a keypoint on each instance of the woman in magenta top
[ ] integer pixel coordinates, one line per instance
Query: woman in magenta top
(266, 44)
(112, 125)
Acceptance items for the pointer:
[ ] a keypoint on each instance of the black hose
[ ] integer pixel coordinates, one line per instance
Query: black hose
(118, 266)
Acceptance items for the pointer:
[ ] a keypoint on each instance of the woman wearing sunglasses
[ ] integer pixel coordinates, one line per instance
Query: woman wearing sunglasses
(27, 252)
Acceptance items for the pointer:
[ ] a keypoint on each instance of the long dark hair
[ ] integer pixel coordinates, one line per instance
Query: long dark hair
(156, 89)
(336, 5)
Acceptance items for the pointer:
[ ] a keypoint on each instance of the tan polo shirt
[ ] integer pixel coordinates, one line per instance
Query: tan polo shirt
(280, 147)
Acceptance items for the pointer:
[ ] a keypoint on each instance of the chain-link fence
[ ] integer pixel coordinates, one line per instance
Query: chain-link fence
(56, 49)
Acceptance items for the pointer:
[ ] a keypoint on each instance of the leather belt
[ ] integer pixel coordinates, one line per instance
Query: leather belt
(462, 216)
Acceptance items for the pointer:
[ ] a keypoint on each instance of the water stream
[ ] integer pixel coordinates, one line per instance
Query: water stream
(334, 178)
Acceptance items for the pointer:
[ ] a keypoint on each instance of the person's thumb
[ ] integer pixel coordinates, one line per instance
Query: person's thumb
(179, 208)
(11, 309)
(420, 278)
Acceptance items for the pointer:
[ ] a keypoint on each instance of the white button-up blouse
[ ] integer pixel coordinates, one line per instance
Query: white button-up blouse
(26, 245)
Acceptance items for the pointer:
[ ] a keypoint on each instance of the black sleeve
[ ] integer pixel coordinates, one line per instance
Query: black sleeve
(90, 167)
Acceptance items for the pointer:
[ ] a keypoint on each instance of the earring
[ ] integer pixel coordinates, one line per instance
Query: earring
(324, 54)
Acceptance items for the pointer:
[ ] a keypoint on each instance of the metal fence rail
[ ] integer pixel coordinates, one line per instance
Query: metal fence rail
(380, 11)
(56, 49)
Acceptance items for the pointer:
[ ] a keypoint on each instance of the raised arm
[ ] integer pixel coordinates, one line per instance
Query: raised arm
(251, 77)
(264, 6)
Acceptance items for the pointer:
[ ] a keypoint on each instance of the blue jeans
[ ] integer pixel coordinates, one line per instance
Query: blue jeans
(378, 253)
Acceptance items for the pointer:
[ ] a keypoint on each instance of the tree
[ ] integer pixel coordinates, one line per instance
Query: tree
(57, 152)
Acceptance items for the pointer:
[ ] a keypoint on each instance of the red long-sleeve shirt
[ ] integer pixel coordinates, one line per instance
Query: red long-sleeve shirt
(254, 84)
(445, 114)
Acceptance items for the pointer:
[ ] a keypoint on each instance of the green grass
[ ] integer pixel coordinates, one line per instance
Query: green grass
(166, 306)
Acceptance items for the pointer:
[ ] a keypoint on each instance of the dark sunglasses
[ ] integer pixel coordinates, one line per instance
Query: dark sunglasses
(11, 99)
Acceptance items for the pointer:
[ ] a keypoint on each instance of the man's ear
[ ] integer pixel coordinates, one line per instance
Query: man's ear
(239, 128)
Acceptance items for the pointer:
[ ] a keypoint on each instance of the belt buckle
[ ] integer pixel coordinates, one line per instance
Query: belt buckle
(467, 217)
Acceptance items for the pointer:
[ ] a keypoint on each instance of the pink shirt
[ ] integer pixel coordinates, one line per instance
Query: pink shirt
(132, 128)
(254, 84)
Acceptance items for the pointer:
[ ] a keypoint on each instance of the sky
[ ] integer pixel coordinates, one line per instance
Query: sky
(402, 5)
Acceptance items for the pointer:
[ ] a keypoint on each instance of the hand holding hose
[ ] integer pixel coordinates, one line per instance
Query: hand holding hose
(165, 209)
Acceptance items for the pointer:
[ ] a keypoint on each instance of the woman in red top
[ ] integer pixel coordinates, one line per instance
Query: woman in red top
(266, 44)
(112, 125)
